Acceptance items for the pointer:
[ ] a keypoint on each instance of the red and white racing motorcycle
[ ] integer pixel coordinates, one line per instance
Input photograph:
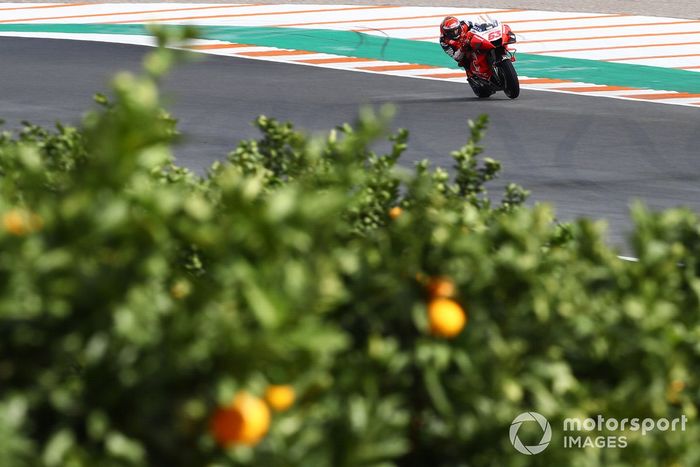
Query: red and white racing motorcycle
(489, 59)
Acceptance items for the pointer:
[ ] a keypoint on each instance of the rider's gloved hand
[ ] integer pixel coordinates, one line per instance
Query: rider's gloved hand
(465, 39)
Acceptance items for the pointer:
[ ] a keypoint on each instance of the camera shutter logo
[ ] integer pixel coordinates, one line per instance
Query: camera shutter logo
(546, 433)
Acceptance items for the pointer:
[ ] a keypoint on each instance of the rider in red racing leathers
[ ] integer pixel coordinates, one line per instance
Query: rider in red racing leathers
(454, 40)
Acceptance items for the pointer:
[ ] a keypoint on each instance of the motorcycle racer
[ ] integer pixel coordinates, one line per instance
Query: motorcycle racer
(454, 39)
(483, 51)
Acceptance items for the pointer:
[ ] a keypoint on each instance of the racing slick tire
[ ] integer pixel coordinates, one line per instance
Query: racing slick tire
(509, 78)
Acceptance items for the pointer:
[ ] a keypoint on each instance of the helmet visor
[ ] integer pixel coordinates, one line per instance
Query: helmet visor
(452, 33)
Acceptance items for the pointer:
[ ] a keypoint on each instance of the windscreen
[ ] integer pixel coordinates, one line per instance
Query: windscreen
(484, 23)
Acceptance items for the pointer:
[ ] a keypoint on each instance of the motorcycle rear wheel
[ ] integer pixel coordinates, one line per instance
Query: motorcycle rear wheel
(509, 78)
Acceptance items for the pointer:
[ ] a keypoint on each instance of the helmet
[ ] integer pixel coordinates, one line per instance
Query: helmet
(450, 28)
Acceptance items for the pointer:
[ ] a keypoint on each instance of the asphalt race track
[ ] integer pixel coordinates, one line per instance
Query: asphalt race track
(587, 155)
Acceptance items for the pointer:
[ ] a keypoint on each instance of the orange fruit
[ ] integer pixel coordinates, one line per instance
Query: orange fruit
(446, 317)
(280, 396)
(20, 222)
(441, 287)
(395, 212)
(677, 385)
(16, 222)
(245, 421)
(674, 390)
(226, 425)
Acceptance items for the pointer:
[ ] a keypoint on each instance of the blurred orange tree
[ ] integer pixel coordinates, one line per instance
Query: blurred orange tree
(308, 302)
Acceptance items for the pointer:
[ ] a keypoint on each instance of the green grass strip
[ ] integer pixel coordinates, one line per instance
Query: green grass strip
(354, 44)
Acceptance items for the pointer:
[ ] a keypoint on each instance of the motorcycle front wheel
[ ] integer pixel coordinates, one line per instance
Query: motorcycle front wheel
(509, 78)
